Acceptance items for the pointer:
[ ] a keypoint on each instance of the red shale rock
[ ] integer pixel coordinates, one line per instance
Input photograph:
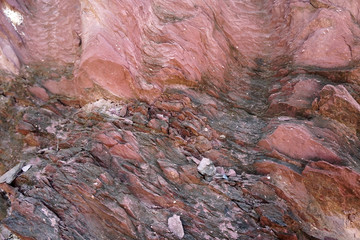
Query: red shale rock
(139, 49)
(294, 98)
(297, 142)
(327, 191)
(338, 104)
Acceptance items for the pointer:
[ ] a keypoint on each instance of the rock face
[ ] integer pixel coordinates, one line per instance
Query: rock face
(137, 49)
(180, 119)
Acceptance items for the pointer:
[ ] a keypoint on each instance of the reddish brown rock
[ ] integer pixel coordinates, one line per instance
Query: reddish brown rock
(320, 36)
(39, 92)
(354, 76)
(24, 128)
(294, 98)
(202, 144)
(297, 142)
(106, 140)
(63, 87)
(169, 170)
(338, 104)
(328, 40)
(126, 151)
(32, 140)
(159, 125)
(314, 192)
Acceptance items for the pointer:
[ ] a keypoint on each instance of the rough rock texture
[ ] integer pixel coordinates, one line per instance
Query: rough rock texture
(112, 107)
(175, 226)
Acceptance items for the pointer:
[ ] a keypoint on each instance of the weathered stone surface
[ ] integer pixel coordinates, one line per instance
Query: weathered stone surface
(296, 141)
(39, 92)
(338, 104)
(206, 167)
(45, 33)
(322, 190)
(294, 97)
(160, 47)
(114, 103)
(10, 175)
(9, 62)
(175, 226)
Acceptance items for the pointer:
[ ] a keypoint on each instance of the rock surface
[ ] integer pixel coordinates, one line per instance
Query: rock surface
(180, 119)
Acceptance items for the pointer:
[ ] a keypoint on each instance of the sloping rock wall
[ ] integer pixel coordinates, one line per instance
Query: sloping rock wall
(111, 106)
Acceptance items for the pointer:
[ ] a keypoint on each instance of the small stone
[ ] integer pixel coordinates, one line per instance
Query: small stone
(222, 137)
(231, 173)
(206, 168)
(10, 175)
(175, 226)
(158, 125)
(32, 140)
(123, 111)
(220, 170)
(26, 168)
(128, 121)
(162, 117)
(202, 144)
(106, 140)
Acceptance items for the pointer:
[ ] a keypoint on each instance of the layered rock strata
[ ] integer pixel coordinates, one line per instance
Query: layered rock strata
(112, 108)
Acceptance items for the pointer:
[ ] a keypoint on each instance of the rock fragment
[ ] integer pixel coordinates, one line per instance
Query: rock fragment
(175, 226)
(10, 175)
(26, 168)
(206, 168)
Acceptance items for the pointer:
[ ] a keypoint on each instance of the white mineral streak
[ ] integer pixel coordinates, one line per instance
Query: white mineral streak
(14, 16)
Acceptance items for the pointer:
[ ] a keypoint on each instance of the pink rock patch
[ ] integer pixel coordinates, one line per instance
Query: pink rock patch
(62, 87)
(106, 140)
(126, 151)
(108, 75)
(297, 142)
(329, 42)
(39, 92)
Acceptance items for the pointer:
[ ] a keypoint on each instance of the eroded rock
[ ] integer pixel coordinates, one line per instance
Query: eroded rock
(206, 167)
(336, 103)
(113, 104)
(315, 187)
(10, 175)
(296, 141)
(175, 226)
